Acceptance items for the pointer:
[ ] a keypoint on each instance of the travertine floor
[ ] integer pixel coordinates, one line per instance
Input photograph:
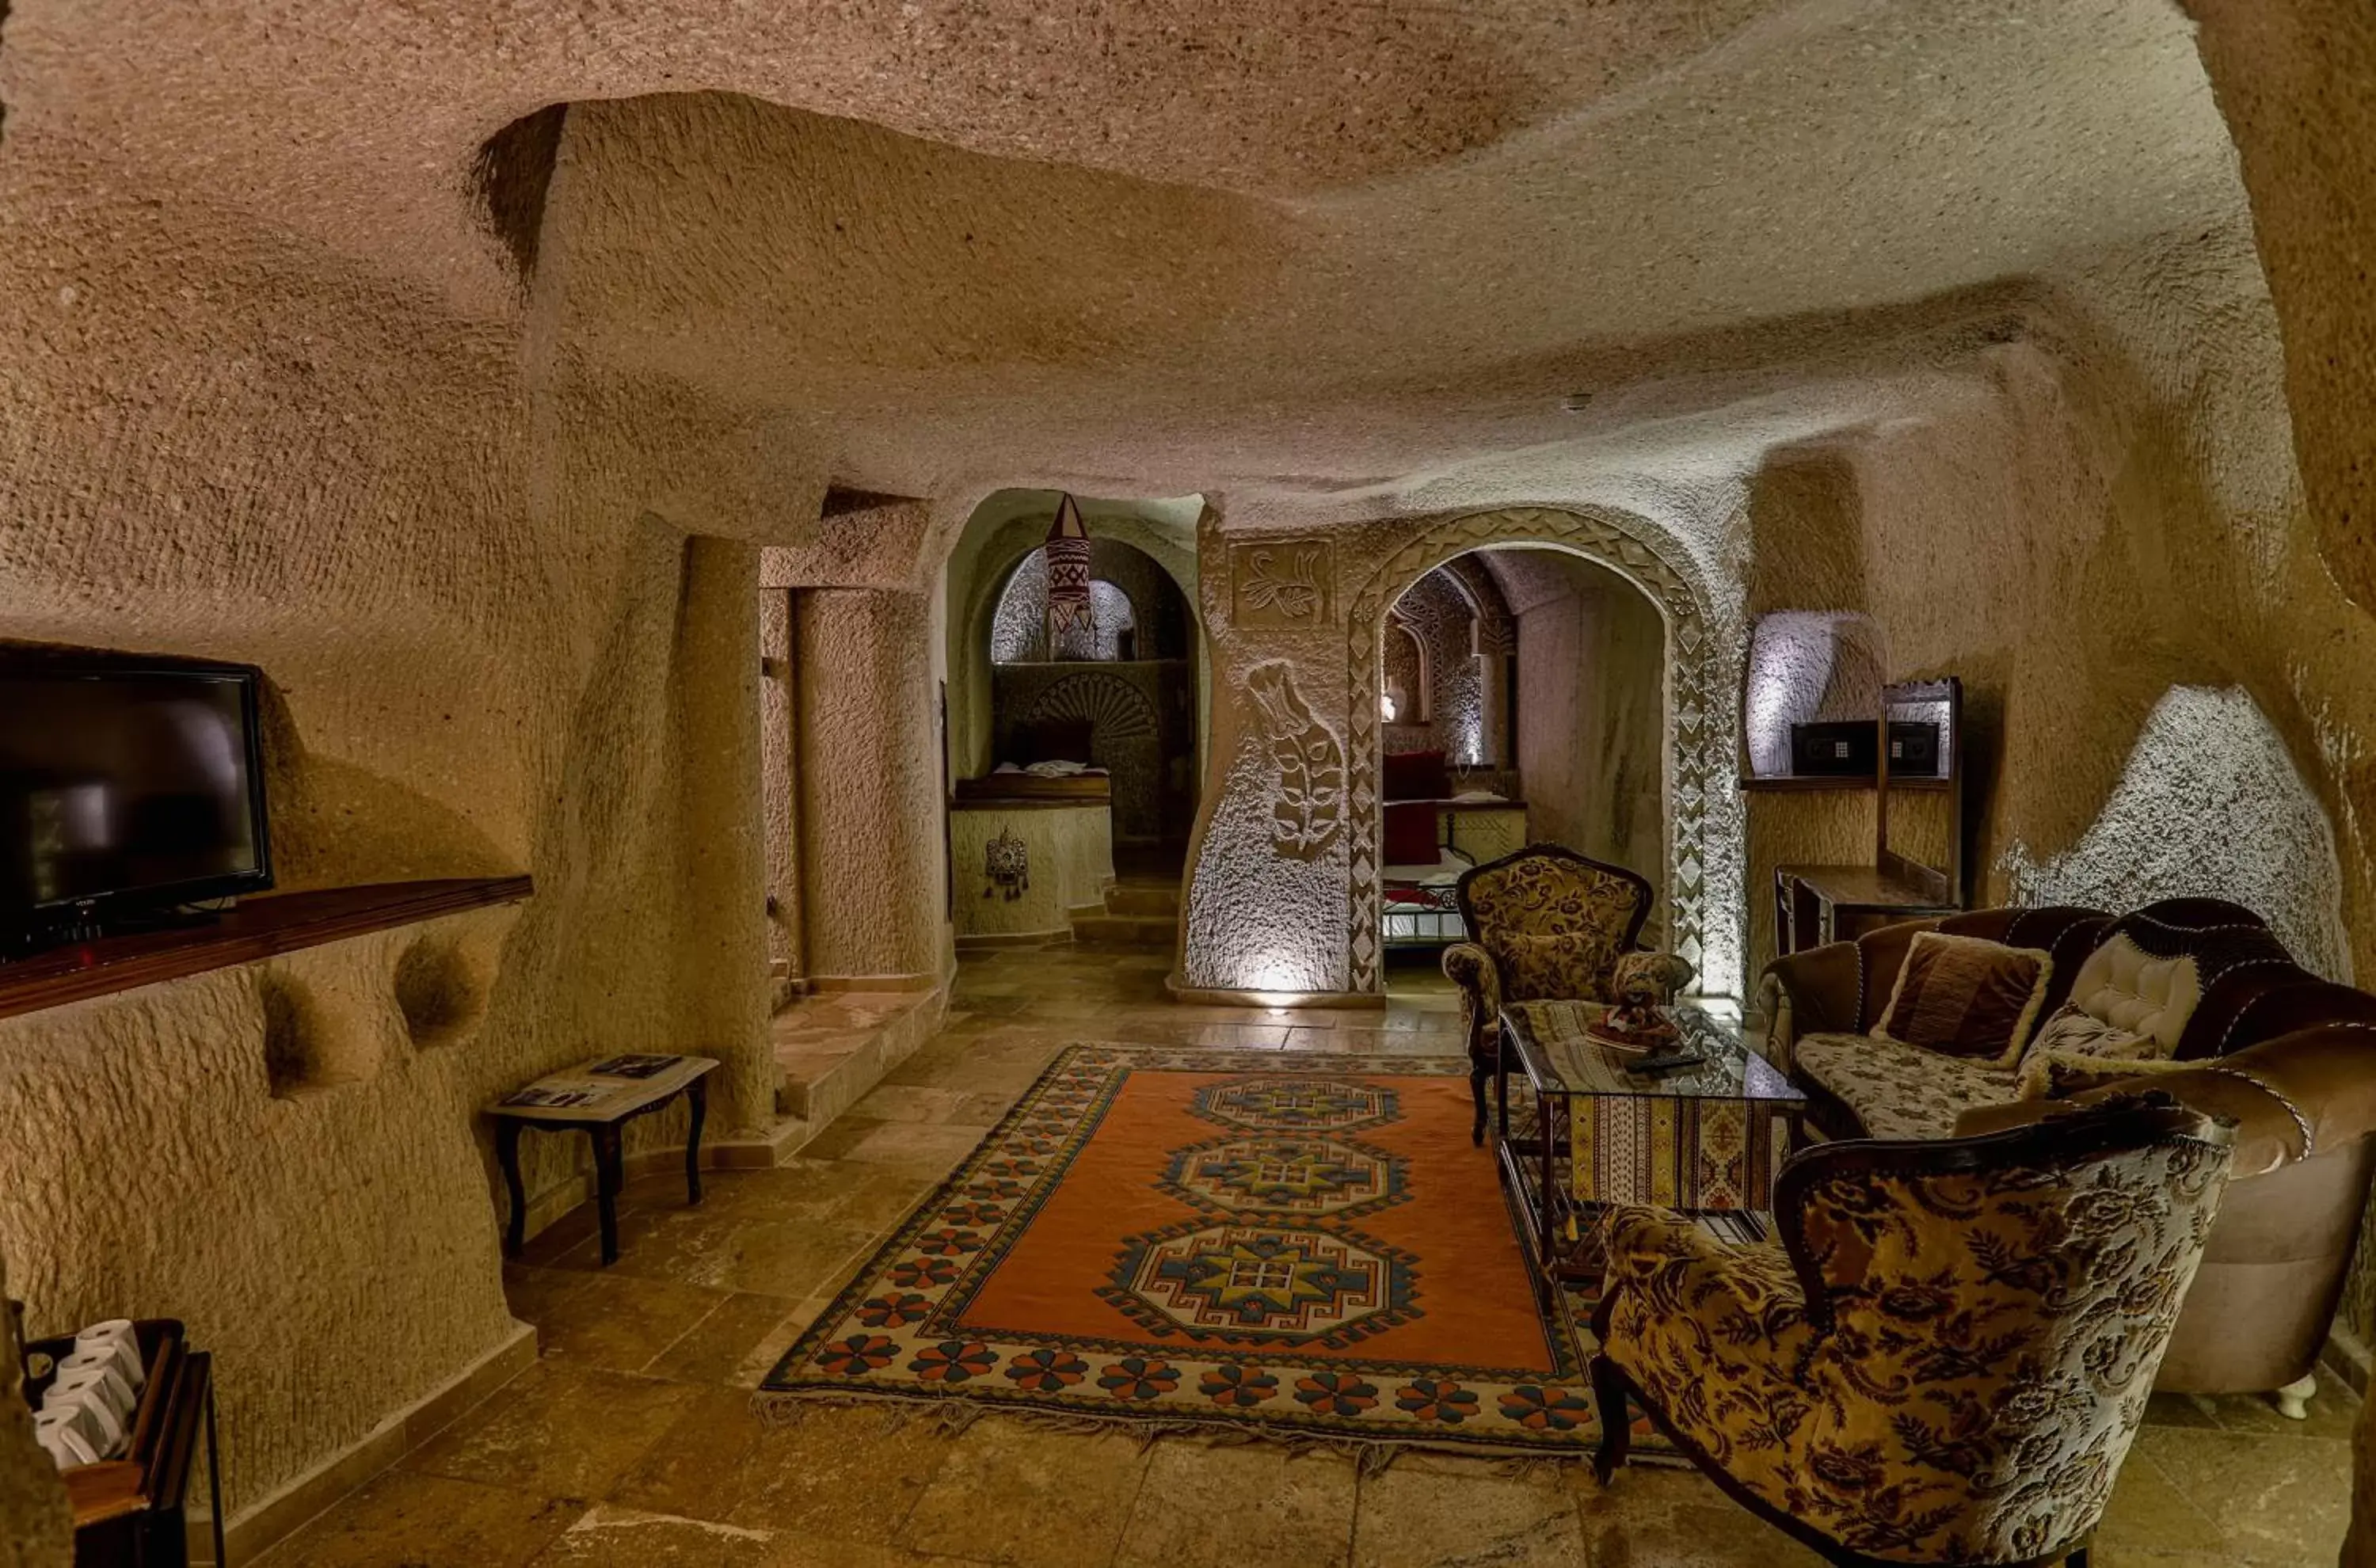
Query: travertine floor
(632, 1442)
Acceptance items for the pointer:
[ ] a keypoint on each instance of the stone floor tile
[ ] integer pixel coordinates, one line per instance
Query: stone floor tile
(2148, 1511)
(556, 1430)
(2332, 1412)
(608, 1537)
(905, 1146)
(2180, 1410)
(790, 1258)
(762, 1357)
(714, 1348)
(407, 1520)
(1666, 1517)
(1255, 1505)
(842, 1473)
(849, 1130)
(621, 1321)
(534, 1293)
(800, 1553)
(1413, 1518)
(692, 1469)
(1010, 1492)
(2283, 1500)
(909, 1102)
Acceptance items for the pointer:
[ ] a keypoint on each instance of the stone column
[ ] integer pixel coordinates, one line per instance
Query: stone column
(786, 938)
(872, 802)
(722, 986)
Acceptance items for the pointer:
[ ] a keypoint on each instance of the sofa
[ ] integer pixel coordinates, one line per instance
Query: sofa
(2247, 1034)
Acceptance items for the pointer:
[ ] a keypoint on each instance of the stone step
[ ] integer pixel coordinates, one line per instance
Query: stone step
(1126, 931)
(1142, 898)
(833, 1047)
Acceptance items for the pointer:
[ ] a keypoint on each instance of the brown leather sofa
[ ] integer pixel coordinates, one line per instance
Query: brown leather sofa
(2290, 1058)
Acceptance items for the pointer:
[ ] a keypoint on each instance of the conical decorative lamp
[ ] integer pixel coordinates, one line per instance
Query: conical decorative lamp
(1072, 623)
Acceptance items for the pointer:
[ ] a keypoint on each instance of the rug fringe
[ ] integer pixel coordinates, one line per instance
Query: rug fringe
(780, 1407)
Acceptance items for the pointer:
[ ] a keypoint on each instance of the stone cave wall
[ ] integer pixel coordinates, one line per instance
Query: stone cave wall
(489, 650)
(1592, 666)
(2101, 530)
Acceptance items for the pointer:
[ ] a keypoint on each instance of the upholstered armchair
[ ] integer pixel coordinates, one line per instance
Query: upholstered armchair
(1544, 924)
(1946, 1354)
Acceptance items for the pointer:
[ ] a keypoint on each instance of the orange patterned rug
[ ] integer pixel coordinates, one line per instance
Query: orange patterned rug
(1298, 1246)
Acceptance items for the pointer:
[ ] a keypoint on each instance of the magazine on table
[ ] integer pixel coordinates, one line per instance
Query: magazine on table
(633, 1065)
(613, 1077)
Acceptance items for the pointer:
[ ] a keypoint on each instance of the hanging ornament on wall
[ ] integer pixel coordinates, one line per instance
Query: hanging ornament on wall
(1072, 621)
(1006, 864)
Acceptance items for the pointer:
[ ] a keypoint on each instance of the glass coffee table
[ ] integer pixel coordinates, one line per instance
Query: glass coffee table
(1587, 1132)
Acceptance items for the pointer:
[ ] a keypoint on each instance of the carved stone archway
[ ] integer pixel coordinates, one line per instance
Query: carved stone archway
(1707, 851)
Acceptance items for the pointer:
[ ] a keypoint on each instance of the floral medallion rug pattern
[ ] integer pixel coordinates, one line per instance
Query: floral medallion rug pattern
(1304, 1247)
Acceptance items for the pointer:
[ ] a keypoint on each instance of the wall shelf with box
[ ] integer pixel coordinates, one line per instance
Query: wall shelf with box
(1915, 747)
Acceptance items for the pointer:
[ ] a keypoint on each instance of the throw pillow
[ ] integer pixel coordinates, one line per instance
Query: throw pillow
(1416, 776)
(2072, 1035)
(1410, 834)
(2133, 991)
(1966, 996)
(2058, 1075)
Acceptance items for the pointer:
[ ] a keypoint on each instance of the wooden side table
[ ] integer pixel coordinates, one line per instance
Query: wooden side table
(1814, 906)
(601, 1103)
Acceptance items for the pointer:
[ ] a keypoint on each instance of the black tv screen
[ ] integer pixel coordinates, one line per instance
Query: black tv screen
(131, 786)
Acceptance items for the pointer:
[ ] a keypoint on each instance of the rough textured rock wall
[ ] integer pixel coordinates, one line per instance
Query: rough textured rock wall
(1592, 671)
(870, 782)
(218, 444)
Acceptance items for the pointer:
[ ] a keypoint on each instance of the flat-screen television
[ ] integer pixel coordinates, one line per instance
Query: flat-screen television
(126, 787)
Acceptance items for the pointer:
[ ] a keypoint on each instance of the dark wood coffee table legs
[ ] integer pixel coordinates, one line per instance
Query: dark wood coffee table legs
(697, 1099)
(610, 1165)
(507, 1134)
(610, 1175)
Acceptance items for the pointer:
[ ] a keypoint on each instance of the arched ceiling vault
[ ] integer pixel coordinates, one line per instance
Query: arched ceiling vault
(1328, 255)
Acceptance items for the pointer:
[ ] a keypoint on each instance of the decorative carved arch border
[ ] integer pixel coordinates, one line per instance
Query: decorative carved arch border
(1700, 758)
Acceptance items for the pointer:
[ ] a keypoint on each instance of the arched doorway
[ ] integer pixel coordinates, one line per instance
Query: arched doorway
(1521, 692)
(1700, 823)
(1123, 694)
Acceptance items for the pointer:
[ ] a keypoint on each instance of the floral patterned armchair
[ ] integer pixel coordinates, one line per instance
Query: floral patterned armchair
(1544, 924)
(1947, 1353)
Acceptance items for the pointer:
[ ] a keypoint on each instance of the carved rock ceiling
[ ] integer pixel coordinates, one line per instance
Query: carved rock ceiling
(1315, 256)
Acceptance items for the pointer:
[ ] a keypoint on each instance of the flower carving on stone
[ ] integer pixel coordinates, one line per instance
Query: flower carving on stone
(1306, 762)
(1281, 582)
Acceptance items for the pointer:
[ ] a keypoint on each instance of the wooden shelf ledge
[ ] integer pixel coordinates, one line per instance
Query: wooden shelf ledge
(257, 929)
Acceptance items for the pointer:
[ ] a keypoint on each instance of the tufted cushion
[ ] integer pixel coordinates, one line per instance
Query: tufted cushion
(1572, 967)
(1967, 996)
(1899, 1090)
(2125, 986)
